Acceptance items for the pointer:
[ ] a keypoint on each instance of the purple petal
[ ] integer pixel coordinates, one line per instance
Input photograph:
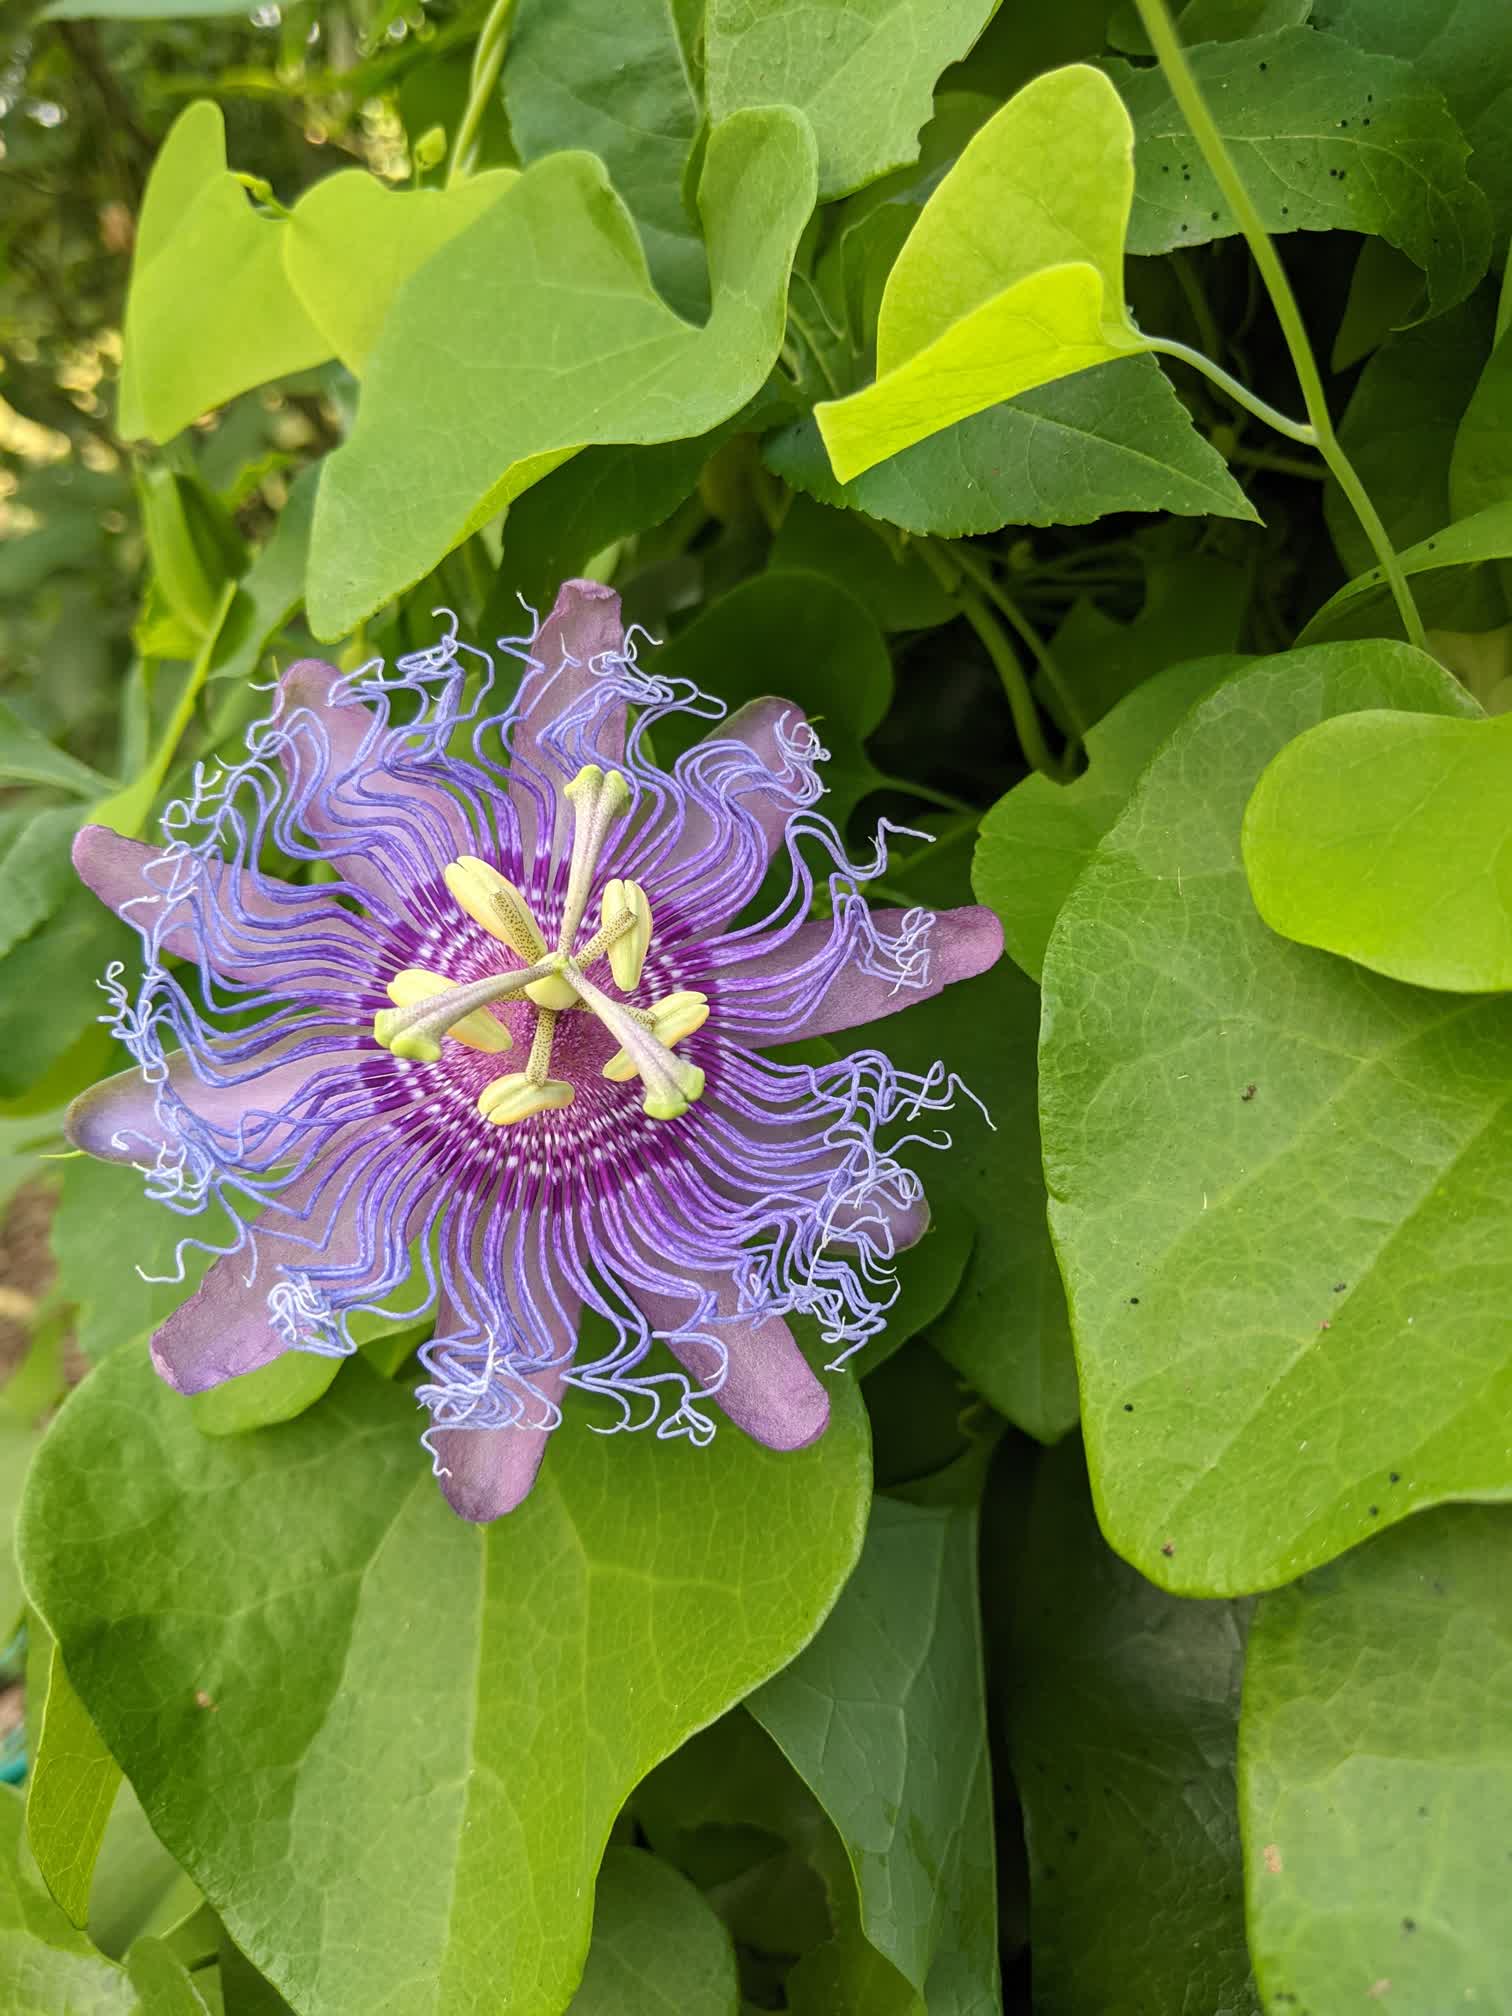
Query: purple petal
(769, 1390)
(486, 1472)
(223, 1329)
(583, 626)
(349, 786)
(962, 943)
(126, 1105)
(709, 833)
(116, 870)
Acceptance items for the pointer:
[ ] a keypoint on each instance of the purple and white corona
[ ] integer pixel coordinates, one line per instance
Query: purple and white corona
(497, 1049)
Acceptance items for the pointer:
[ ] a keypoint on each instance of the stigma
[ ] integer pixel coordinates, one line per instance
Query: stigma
(429, 1008)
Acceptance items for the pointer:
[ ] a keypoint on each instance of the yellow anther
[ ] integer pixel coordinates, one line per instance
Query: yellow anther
(495, 903)
(479, 1031)
(513, 1097)
(671, 1104)
(411, 1044)
(669, 1021)
(553, 992)
(627, 954)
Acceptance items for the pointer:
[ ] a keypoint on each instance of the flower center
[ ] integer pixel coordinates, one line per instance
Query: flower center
(428, 1007)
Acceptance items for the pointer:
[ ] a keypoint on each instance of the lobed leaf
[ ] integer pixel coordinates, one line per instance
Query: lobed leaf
(551, 339)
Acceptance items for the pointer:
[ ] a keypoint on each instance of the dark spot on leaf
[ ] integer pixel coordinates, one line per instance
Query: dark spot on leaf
(1215, 216)
(1409, 1924)
(1422, 1812)
(1168, 1548)
(1393, 1476)
(1248, 1093)
(1285, 212)
(1364, 122)
(1133, 1301)
(1374, 1511)
(1340, 1286)
(1128, 1406)
(1265, 66)
(1073, 1834)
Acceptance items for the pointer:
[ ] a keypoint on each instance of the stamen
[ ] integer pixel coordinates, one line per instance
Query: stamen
(627, 953)
(538, 1070)
(479, 1031)
(601, 940)
(669, 1020)
(415, 1032)
(598, 798)
(514, 1097)
(671, 1085)
(495, 903)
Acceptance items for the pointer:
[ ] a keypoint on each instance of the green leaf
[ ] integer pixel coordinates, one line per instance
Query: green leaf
(616, 84)
(658, 1949)
(1364, 608)
(29, 758)
(273, 1393)
(1006, 1330)
(804, 635)
(163, 1981)
(890, 580)
(1480, 471)
(272, 588)
(46, 1967)
(1385, 291)
(1326, 138)
(70, 1792)
(1122, 1710)
(1194, 606)
(862, 72)
(1400, 425)
(351, 242)
(883, 1717)
(210, 312)
(1115, 438)
(1377, 1704)
(107, 1235)
(1457, 48)
(35, 871)
(1274, 1178)
(552, 279)
(49, 996)
(1039, 836)
(972, 316)
(251, 1622)
(1383, 837)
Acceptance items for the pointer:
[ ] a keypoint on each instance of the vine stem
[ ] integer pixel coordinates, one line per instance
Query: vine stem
(488, 61)
(1184, 88)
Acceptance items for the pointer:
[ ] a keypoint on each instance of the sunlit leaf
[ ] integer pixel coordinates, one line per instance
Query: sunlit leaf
(70, 1791)
(550, 281)
(210, 312)
(1012, 276)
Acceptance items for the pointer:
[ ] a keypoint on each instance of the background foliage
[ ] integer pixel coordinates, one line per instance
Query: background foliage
(1126, 489)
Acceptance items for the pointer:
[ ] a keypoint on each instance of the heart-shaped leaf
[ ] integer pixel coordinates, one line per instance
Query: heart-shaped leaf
(1278, 1183)
(251, 1622)
(1384, 837)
